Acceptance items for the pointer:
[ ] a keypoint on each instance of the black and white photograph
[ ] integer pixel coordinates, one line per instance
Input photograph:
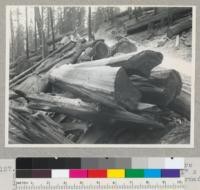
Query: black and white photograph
(100, 76)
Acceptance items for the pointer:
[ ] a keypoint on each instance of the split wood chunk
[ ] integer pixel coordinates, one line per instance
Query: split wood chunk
(106, 85)
(161, 88)
(86, 111)
(134, 63)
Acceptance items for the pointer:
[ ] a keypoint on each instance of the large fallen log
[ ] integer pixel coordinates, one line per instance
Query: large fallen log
(179, 27)
(143, 24)
(105, 85)
(161, 88)
(134, 63)
(86, 111)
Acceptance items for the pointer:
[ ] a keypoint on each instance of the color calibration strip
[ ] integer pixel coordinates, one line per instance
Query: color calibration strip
(99, 163)
(99, 167)
(99, 173)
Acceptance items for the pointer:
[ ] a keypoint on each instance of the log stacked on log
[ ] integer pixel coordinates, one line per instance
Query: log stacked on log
(133, 63)
(107, 91)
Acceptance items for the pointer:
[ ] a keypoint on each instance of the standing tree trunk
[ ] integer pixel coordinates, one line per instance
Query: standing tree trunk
(12, 37)
(41, 32)
(130, 12)
(35, 33)
(52, 28)
(48, 24)
(18, 35)
(89, 25)
(27, 43)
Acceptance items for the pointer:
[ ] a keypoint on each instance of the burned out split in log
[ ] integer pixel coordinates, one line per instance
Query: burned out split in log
(161, 88)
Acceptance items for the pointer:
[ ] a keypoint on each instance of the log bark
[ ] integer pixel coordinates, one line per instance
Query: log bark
(86, 111)
(180, 27)
(161, 88)
(134, 63)
(105, 85)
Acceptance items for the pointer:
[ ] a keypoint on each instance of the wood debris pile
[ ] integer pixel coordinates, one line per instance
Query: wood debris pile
(83, 93)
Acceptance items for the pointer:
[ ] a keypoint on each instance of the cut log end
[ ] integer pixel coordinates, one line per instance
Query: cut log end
(147, 60)
(161, 88)
(170, 81)
(101, 50)
(126, 94)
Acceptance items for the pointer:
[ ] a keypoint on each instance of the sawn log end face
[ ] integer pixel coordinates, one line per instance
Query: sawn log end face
(143, 62)
(126, 94)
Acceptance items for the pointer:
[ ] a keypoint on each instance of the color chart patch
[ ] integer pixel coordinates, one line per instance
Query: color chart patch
(99, 173)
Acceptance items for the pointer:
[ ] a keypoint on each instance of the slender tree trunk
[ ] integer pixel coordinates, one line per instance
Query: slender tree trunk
(41, 32)
(12, 37)
(155, 11)
(18, 35)
(130, 12)
(48, 24)
(52, 27)
(27, 42)
(89, 25)
(35, 33)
